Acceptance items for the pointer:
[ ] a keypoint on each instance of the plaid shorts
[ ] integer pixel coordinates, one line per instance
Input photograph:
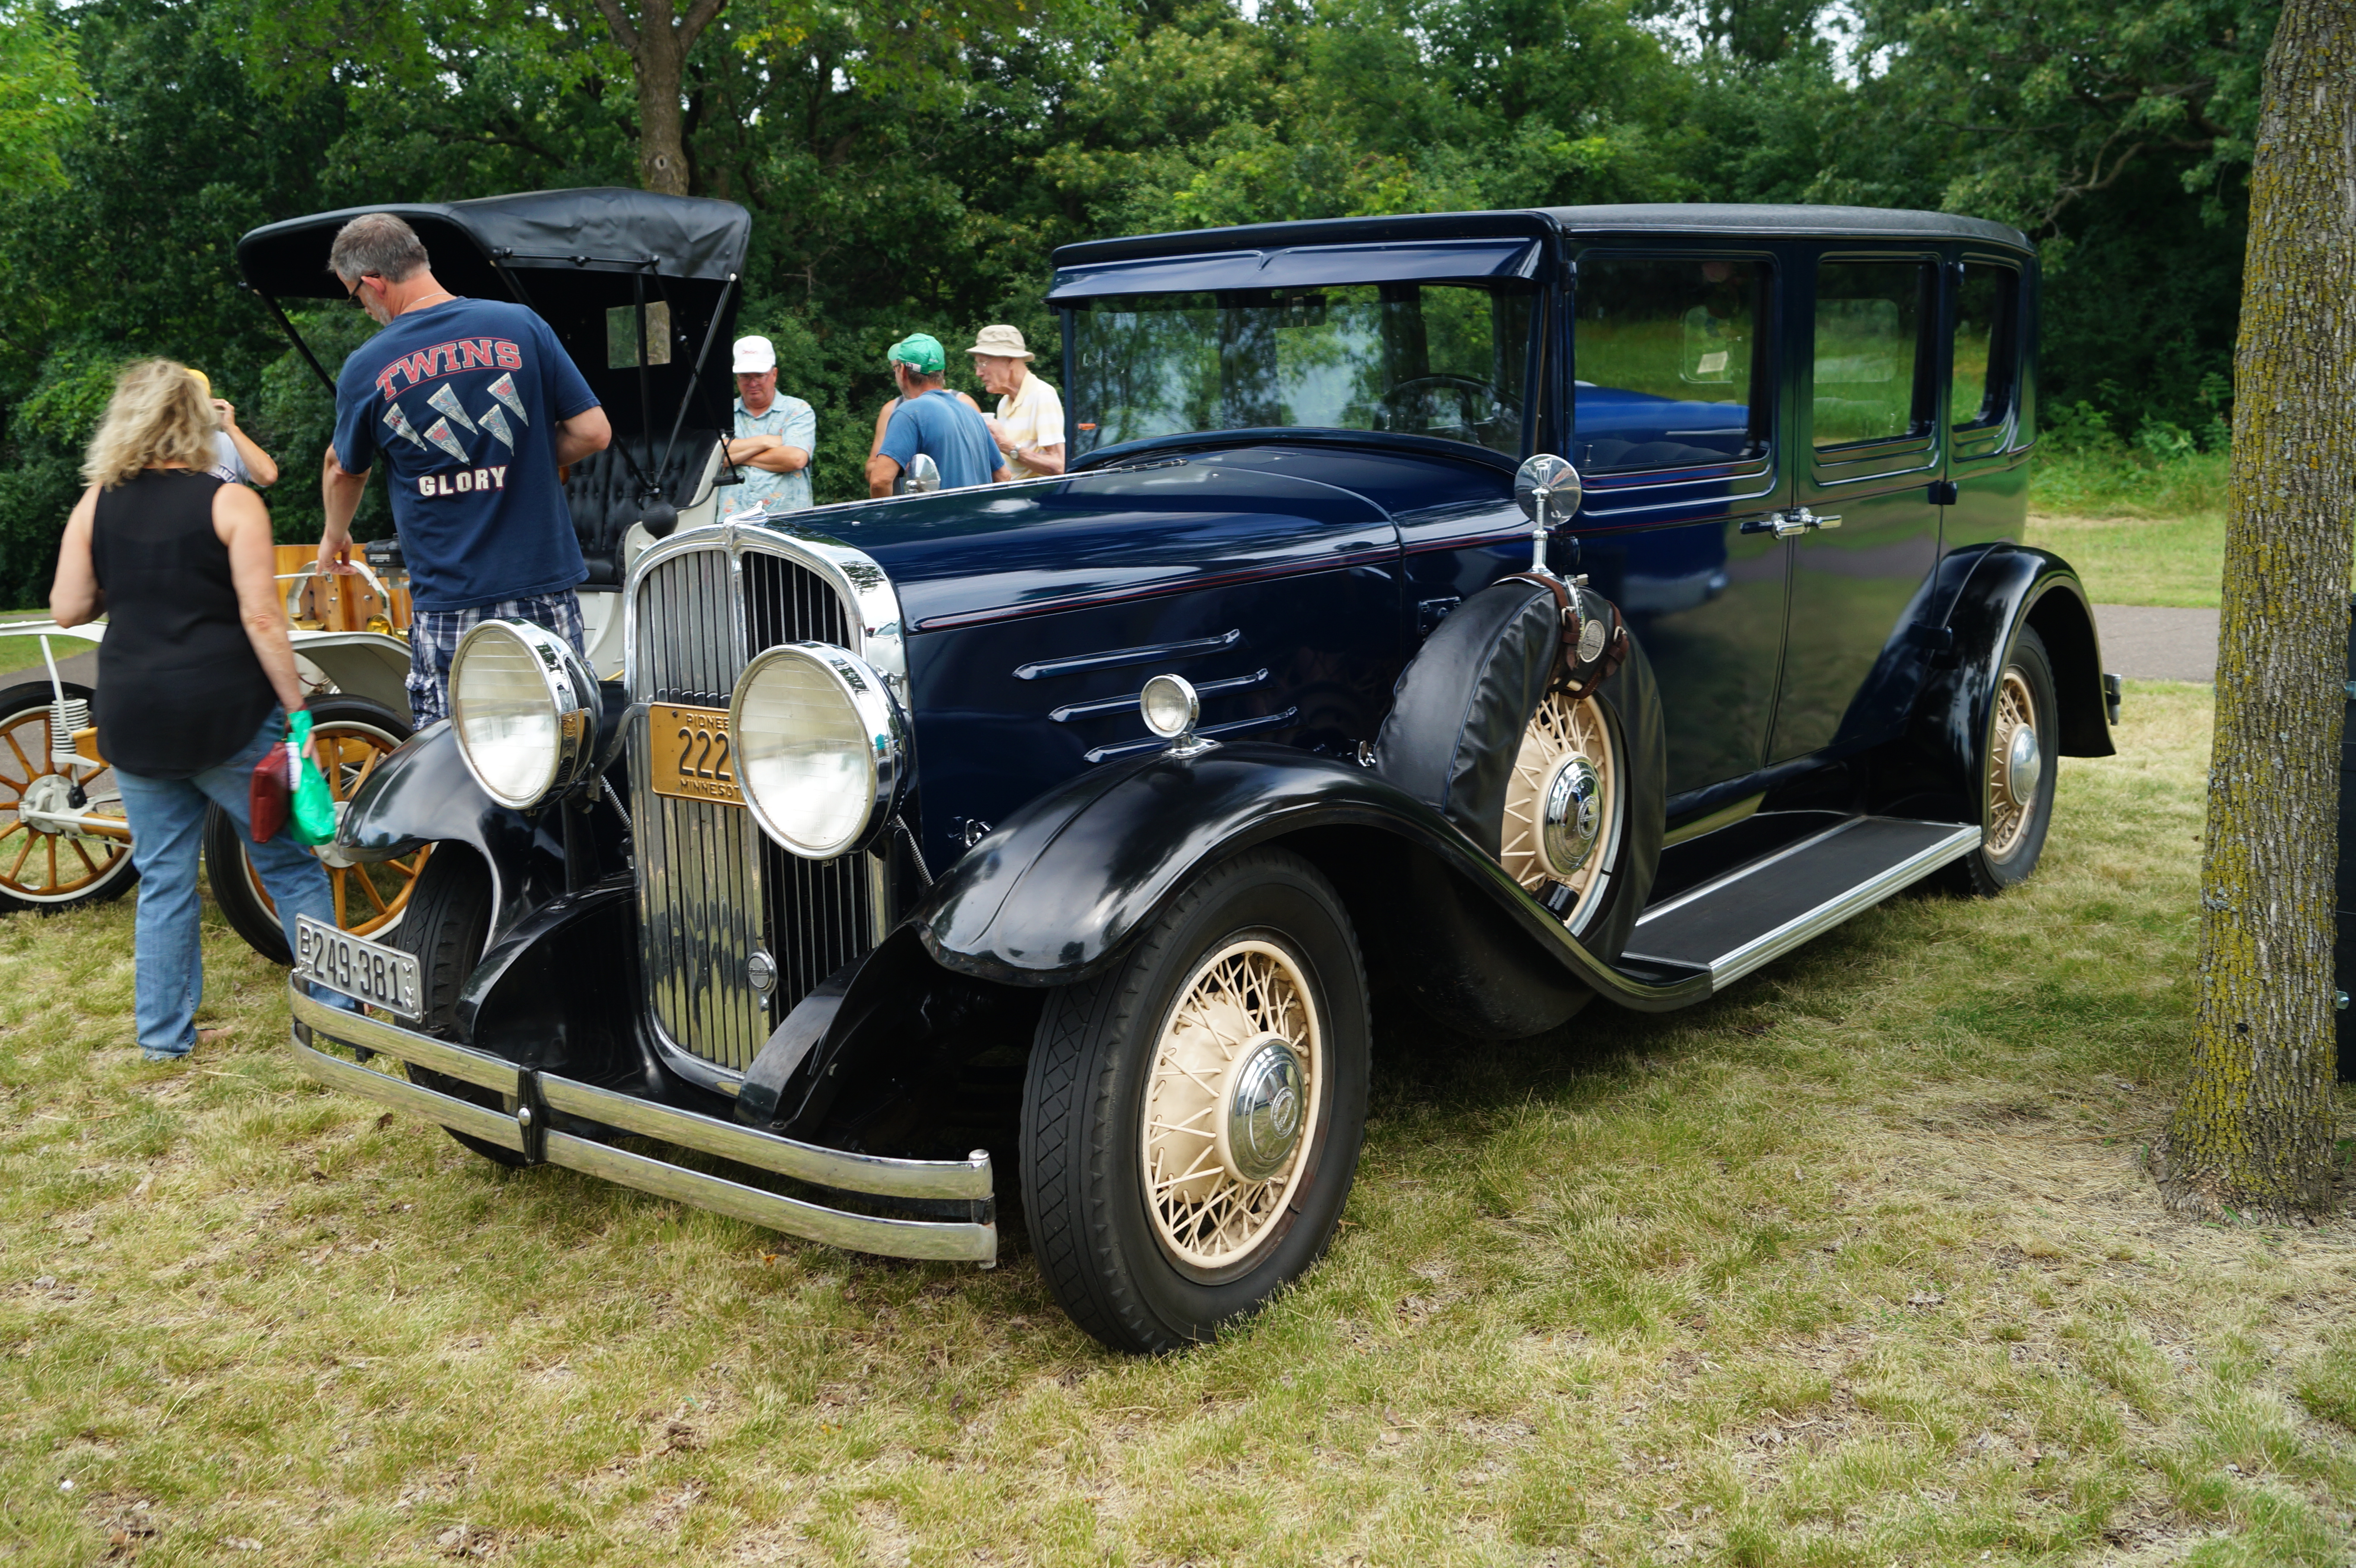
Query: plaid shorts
(433, 638)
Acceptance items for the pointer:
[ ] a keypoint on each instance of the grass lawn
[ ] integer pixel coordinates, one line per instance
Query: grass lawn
(1854, 1266)
(2137, 533)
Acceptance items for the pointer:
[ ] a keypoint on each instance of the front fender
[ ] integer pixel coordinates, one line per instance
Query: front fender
(425, 793)
(1052, 897)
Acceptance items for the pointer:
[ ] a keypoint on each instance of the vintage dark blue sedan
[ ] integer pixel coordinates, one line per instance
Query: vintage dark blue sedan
(1480, 612)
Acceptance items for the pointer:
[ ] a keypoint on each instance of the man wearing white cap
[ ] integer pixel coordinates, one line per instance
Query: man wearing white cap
(1029, 428)
(774, 437)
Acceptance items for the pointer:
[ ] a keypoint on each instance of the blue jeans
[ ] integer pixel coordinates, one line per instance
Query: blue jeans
(167, 818)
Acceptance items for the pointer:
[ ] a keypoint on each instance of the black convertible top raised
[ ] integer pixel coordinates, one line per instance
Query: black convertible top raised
(605, 228)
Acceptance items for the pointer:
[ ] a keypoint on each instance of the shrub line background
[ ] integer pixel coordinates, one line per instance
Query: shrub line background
(911, 166)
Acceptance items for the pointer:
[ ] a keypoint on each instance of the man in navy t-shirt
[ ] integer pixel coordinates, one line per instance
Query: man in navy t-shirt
(472, 405)
(933, 421)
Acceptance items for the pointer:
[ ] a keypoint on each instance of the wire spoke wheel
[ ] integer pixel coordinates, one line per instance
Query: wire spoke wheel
(43, 868)
(2009, 804)
(1236, 1081)
(1561, 826)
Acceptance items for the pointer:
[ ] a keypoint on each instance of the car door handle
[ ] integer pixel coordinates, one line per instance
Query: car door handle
(1789, 525)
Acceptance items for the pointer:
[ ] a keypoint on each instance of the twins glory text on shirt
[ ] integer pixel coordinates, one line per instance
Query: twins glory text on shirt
(462, 400)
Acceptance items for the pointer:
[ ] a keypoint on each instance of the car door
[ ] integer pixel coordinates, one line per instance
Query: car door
(1864, 539)
(1674, 433)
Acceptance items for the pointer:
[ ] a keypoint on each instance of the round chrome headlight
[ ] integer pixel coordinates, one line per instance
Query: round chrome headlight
(820, 747)
(525, 708)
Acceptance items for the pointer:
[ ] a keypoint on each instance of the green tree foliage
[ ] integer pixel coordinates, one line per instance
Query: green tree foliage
(911, 164)
(43, 99)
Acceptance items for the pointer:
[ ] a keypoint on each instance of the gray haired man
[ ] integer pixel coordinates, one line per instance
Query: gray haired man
(471, 404)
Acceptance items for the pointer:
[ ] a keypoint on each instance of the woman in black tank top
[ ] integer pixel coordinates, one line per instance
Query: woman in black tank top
(194, 672)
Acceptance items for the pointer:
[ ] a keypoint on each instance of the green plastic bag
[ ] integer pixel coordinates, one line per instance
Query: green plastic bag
(311, 812)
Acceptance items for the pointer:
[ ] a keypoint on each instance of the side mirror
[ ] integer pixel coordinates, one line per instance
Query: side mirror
(924, 475)
(1548, 490)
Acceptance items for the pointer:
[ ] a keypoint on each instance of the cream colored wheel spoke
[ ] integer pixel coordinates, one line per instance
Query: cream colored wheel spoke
(2008, 816)
(1244, 1020)
(1559, 733)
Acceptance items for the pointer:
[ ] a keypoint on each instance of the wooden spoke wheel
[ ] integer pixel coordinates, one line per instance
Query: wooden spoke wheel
(1560, 833)
(45, 869)
(349, 736)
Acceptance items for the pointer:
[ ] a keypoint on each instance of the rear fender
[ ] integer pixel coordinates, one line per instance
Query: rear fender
(1933, 771)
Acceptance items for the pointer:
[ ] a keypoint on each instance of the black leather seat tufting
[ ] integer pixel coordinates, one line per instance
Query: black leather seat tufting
(603, 492)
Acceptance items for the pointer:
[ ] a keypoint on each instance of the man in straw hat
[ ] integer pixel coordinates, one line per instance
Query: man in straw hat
(1029, 428)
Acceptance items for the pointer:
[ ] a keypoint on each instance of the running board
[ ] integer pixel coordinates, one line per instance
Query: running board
(1756, 914)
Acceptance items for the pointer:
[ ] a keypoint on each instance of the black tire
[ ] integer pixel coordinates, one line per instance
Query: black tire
(447, 925)
(1105, 1254)
(231, 872)
(1983, 874)
(83, 871)
(1461, 715)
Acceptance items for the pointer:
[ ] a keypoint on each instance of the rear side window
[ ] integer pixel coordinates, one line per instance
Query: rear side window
(1672, 363)
(1869, 338)
(1979, 386)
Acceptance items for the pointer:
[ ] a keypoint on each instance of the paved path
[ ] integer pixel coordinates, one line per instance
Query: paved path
(2144, 642)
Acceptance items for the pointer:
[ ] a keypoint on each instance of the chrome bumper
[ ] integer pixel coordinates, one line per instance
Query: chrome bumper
(528, 1131)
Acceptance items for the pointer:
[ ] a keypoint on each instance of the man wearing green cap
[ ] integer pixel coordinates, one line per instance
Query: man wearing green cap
(933, 421)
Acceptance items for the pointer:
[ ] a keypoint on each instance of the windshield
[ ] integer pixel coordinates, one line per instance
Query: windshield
(1433, 360)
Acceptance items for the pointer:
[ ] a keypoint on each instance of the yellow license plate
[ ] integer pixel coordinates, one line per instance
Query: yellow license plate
(693, 758)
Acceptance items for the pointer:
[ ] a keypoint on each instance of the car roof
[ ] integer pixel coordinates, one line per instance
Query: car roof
(1792, 220)
(1761, 220)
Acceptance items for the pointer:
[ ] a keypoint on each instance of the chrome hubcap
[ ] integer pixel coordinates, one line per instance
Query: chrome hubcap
(2024, 765)
(1573, 811)
(1267, 1095)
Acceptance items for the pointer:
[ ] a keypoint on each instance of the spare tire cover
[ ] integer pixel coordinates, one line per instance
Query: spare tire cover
(1462, 703)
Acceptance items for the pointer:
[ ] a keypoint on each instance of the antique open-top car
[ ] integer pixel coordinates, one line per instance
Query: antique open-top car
(1515, 608)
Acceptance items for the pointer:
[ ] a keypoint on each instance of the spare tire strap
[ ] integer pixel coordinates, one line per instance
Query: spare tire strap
(1583, 611)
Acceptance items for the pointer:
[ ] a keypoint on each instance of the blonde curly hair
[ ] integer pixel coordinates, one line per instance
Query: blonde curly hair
(157, 417)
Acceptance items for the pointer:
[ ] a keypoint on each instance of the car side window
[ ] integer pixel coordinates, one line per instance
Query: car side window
(1868, 342)
(1980, 382)
(1671, 360)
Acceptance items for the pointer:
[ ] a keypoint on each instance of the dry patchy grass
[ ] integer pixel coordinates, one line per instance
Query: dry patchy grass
(1853, 1266)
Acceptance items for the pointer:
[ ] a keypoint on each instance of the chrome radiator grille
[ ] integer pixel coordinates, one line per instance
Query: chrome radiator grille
(711, 887)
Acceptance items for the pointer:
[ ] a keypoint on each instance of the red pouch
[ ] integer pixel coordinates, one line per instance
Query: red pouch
(267, 796)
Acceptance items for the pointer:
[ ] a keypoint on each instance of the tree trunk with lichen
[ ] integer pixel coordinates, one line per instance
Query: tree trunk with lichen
(657, 41)
(2253, 1132)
